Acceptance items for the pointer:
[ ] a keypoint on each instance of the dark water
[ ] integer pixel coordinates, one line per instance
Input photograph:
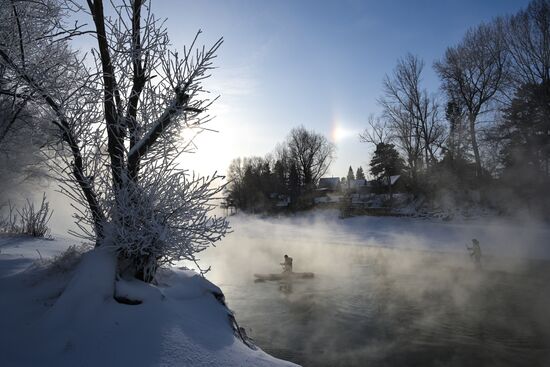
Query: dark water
(402, 308)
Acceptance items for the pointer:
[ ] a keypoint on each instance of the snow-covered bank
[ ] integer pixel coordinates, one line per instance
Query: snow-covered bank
(53, 313)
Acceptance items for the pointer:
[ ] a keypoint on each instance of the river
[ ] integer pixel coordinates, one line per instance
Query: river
(379, 303)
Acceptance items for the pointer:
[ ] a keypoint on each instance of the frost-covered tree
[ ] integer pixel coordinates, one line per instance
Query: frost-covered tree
(23, 126)
(117, 114)
(22, 134)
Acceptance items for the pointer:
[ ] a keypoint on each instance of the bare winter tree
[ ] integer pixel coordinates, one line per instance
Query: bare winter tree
(413, 116)
(376, 132)
(473, 73)
(312, 154)
(118, 125)
(528, 42)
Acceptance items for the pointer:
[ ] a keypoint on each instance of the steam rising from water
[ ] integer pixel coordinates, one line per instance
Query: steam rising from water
(391, 291)
(321, 242)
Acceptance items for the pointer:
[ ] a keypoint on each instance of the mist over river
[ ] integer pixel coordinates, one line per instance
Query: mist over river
(390, 291)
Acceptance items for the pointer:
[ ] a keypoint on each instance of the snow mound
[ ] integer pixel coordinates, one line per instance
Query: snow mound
(72, 317)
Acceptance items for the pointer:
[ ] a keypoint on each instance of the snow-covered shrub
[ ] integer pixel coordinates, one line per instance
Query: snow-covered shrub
(163, 219)
(68, 259)
(30, 220)
(34, 221)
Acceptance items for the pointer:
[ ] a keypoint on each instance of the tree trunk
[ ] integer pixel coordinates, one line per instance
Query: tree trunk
(472, 121)
(391, 193)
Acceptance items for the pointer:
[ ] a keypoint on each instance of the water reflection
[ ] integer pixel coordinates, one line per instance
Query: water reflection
(285, 286)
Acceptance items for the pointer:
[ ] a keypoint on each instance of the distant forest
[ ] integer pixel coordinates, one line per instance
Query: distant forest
(486, 130)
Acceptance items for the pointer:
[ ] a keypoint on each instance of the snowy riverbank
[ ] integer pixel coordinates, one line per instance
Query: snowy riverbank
(52, 314)
(58, 310)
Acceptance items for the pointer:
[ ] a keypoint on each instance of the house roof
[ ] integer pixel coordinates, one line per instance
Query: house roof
(393, 179)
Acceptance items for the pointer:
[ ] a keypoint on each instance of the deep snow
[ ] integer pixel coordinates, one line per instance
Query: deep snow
(61, 312)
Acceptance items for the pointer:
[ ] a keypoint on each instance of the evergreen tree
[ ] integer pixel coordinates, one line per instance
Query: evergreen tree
(385, 163)
(360, 175)
(350, 176)
(524, 135)
(525, 130)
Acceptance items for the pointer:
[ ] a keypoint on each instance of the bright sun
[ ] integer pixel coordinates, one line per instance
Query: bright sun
(339, 133)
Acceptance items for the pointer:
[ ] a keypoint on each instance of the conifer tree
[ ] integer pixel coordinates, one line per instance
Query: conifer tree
(386, 163)
(360, 175)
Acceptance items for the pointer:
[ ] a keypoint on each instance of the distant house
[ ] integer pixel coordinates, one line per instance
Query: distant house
(327, 198)
(330, 183)
(356, 184)
(283, 201)
(362, 200)
(396, 182)
(328, 191)
(279, 200)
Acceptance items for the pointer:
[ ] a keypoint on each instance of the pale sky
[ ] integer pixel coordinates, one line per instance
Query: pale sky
(319, 64)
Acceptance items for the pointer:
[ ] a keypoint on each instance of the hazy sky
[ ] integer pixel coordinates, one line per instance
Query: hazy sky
(319, 64)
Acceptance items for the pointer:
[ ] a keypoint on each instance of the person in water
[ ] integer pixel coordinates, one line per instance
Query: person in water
(475, 252)
(287, 265)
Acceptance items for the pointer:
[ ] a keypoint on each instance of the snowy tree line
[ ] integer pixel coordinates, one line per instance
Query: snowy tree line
(291, 172)
(487, 128)
(107, 124)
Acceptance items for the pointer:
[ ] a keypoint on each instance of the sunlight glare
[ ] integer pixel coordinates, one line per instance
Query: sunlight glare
(339, 132)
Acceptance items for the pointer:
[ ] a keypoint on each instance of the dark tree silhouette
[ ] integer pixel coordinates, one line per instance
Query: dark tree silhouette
(525, 132)
(350, 175)
(385, 163)
(412, 114)
(312, 154)
(360, 175)
(527, 37)
(473, 73)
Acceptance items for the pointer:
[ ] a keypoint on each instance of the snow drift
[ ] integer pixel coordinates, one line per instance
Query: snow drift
(62, 311)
